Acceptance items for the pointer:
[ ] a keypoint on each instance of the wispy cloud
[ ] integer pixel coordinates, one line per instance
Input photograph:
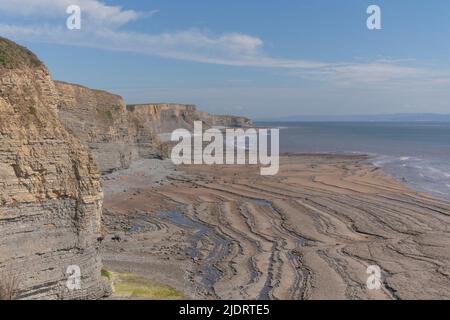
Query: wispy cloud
(378, 73)
(93, 10)
(388, 75)
(105, 28)
(233, 49)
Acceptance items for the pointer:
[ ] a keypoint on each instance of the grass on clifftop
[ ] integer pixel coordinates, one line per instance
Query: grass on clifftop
(131, 286)
(13, 56)
(106, 274)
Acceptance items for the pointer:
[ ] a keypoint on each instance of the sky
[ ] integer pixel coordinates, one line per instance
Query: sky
(256, 58)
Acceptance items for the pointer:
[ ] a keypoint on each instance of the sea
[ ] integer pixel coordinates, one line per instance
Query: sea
(415, 153)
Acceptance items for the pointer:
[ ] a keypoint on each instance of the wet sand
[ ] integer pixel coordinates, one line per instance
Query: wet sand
(225, 232)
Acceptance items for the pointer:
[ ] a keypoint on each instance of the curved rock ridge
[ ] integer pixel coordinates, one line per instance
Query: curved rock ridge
(50, 192)
(312, 232)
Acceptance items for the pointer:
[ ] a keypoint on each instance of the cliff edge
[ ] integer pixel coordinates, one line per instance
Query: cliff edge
(118, 134)
(50, 193)
(101, 121)
(166, 117)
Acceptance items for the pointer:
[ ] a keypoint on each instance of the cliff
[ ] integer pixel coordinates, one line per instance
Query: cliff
(50, 193)
(118, 134)
(225, 120)
(101, 121)
(164, 118)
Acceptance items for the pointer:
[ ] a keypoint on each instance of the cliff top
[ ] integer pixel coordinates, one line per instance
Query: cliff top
(14, 56)
(100, 91)
(132, 107)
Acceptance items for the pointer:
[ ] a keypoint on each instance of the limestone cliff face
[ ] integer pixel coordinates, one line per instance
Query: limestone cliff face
(101, 121)
(50, 193)
(118, 134)
(225, 121)
(165, 118)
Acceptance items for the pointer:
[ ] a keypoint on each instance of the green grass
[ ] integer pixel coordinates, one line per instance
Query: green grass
(131, 286)
(13, 55)
(106, 274)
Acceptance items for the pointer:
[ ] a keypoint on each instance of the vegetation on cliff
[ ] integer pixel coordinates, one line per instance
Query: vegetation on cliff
(50, 191)
(14, 56)
(133, 287)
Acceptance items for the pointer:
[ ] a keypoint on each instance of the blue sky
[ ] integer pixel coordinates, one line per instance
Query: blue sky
(255, 58)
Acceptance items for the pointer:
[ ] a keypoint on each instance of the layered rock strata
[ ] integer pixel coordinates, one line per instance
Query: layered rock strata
(117, 134)
(165, 118)
(101, 121)
(50, 193)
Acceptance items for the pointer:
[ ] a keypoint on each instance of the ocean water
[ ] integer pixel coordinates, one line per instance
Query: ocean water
(416, 153)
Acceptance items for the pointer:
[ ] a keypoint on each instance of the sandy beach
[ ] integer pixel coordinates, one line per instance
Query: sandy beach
(309, 232)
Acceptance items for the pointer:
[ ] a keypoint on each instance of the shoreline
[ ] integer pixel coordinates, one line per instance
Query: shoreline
(308, 233)
(372, 160)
